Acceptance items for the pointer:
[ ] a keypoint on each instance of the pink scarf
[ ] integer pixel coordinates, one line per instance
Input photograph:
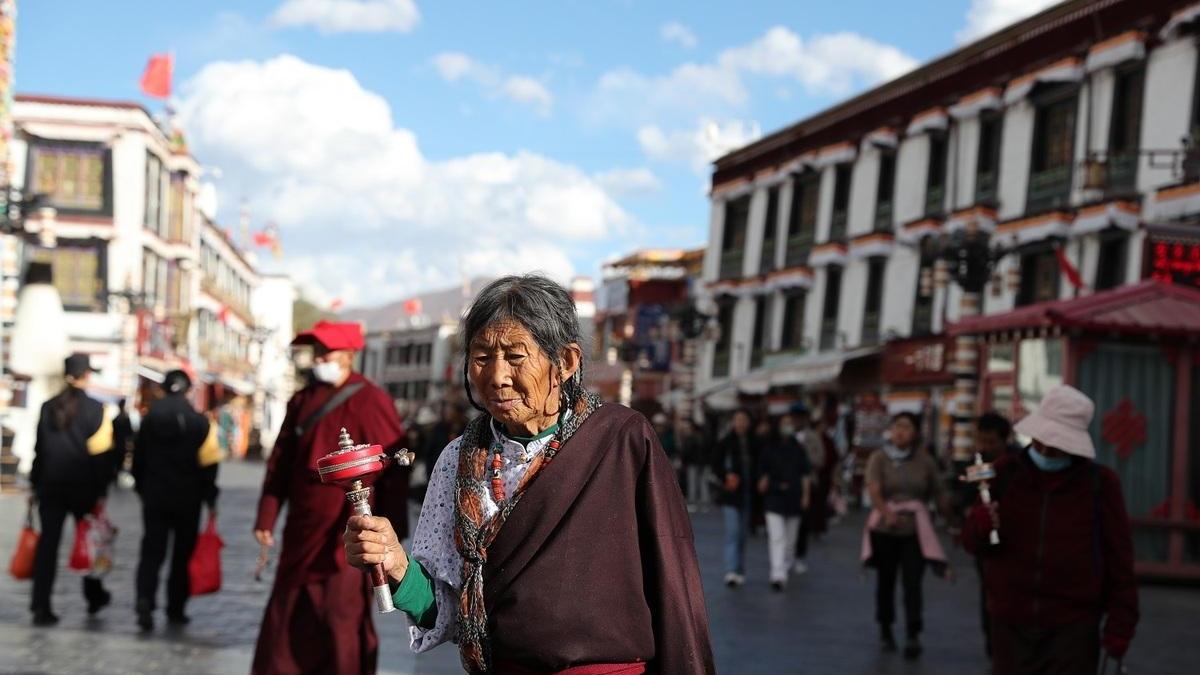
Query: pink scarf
(927, 537)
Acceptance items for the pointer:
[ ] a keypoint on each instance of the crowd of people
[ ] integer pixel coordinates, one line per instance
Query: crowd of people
(1052, 546)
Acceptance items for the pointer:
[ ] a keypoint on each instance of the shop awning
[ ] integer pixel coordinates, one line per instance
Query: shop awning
(1149, 308)
(816, 369)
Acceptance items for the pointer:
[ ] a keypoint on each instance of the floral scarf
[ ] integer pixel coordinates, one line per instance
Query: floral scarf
(473, 536)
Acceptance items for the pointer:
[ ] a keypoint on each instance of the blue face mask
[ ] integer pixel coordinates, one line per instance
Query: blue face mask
(1049, 464)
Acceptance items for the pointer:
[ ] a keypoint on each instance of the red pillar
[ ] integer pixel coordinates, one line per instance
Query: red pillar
(1179, 465)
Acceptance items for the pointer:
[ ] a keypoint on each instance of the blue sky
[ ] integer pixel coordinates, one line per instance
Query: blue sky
(400, 144)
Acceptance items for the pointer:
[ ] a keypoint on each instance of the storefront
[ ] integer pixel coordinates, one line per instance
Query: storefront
(1135, 351)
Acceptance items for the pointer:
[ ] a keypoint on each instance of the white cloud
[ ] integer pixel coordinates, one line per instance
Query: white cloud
(349, 16)
(363, 213)
(835, 63)
(629, 182)
(987, 16)
(679, 34)
(697, 147)
(455, 67)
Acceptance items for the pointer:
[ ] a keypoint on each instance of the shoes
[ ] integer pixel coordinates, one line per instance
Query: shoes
(178, 619)
(777, 586)
(886, 639)
(44, 618)
(145, 620)
(799, 567)
(734, 580)
(912, 648)
(98, 602)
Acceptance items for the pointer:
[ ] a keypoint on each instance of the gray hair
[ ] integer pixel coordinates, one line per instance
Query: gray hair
(541, 306)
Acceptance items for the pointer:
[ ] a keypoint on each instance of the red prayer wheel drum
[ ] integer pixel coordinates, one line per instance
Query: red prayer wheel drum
(347, 467)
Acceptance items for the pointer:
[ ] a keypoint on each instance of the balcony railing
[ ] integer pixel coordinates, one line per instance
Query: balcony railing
(1049, 189)
(870, 330)
(883, 216)
(720, 364)
(935, 200)
(1122, 173)
(837, 228)
(986, 185)
(731, 263)
(797, 250)
(766, 262)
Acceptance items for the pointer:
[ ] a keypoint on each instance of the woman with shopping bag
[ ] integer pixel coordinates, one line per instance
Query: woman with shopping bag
(71, 467)
(175, 459)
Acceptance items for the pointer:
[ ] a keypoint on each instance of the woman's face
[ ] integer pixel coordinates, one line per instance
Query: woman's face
(515, 381)
(903, 432)
(741, 423)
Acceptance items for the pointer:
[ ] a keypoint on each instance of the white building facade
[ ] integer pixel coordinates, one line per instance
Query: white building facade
(824, 238)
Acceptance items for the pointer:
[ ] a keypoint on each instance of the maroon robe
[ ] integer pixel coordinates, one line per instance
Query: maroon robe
(596, 564)
(318, 619)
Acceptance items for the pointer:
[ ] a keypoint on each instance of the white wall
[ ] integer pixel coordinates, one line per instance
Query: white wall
(864, 186)
(911, 166)
(899, 290)
(825, 204)
(966, 148)
(1016, 144)
(754, 232)
(1170, 78)
(853, 301)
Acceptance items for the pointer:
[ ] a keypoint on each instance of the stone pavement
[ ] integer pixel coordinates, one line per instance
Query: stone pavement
(821, 624)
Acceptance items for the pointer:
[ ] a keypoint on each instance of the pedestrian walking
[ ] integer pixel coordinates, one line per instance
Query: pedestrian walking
(670, 445)
(899, 539)
(735, 463)
(1060, 585)
(694, 450)
(123, 437)
(993, 440)
(72, 467)
(784, 481)
(318, 617)
(552, 538)
(175, 460)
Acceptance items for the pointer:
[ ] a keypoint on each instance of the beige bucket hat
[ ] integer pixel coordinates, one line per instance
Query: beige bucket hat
(1062, 421)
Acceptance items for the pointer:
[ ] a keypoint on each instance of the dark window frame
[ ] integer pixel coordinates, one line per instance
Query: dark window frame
(36, 144)
(802, 218)
(1038, 263)
(762, 329)
(987, 159)
(723, 348)
(791, 336)
(885, 191)
(100, 246)
(1049, 185)
(1125, 128)
(1112, 260)
(831, 307)
(873, 304)
(843, 184)
(937, 173)
(770, 231)
(733, 236)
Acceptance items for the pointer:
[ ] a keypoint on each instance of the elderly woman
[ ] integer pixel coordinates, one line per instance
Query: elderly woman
(554, 537)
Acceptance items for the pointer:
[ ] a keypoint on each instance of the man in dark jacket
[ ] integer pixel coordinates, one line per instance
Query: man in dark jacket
(735, 464)
(785, 484)
(1064, 562)
(175, 461)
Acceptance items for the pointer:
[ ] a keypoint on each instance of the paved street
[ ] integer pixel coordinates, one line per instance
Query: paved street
(821, 624)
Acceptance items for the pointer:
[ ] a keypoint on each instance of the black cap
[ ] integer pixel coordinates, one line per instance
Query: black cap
(77, 365)
(177, 382)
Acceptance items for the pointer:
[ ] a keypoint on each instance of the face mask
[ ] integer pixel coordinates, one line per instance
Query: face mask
(328, 372)
(1049, 464)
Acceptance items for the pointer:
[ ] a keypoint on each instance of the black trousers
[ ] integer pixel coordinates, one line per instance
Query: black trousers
(53, 506)
(898, 556)
(1017, 649)
(181, 522)
(984, 617)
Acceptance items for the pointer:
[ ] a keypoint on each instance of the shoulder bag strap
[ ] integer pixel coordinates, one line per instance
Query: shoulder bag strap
(332, 404)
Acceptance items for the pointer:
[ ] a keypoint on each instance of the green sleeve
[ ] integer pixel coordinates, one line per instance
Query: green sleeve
(414, 595)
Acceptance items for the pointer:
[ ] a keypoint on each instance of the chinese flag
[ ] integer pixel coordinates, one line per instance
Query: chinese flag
(1068, 269)
(156, 80)
(412, 306)
(223, 315)
(264, 239)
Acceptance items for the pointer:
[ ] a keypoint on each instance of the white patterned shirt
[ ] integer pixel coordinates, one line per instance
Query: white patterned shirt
(433, 539)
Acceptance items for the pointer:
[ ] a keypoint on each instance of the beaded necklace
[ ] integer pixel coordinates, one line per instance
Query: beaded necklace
(498, 462)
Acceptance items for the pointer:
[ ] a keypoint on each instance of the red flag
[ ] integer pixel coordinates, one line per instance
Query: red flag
(264, 239)
(223, 315)
(156, 80)
(412, 306)
(1068, 269)
(336, 305)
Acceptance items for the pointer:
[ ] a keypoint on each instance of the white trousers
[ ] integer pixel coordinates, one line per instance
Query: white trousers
(782, 532)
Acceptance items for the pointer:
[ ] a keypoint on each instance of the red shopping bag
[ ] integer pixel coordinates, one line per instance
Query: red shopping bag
(21, 564)
(81, 554)
(204, 569)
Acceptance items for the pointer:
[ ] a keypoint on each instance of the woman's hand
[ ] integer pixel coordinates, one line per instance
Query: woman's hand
(370, 540)
(264, 538)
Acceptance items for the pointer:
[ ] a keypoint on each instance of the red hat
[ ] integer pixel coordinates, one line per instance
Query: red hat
(332, 335)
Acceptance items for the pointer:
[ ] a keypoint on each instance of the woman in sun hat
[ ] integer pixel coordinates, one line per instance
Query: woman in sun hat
(1064, 564)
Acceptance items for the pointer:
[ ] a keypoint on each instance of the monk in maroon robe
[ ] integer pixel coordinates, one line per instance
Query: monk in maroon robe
(318, 619)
